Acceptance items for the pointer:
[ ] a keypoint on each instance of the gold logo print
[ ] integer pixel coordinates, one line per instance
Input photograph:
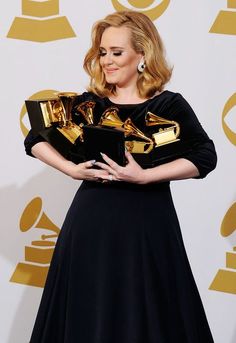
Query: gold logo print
(141, 6)
(38, 256)
(225, 279)
(231, 135)
(35, 25)
(48, 93)
(225, 22)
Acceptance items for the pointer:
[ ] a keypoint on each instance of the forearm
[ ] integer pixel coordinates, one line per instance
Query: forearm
(177, 170)
(82, 171)
(47, 154)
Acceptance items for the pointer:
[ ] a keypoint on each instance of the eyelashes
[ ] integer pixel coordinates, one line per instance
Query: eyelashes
(118, 53)
(114, 53)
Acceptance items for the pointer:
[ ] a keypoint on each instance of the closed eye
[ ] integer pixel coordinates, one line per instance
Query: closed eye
(114, 53)
(117, 53)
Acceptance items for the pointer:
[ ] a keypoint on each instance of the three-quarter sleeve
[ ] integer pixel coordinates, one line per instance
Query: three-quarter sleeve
(201, 150)
(30, 140)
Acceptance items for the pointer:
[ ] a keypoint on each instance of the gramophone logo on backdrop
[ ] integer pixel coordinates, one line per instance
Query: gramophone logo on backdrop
(225, 22)
(40, 22)
(225, 279)
(229, 131)
(33, 271)
(143, 6)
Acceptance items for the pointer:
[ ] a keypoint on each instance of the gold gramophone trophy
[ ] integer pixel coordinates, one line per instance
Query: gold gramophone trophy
(168, 133)
(33, 271)
(225, 22)
(40, 22)
(134, 146)
(86, 109)
(110, 118)
(66, 127)
(225, 279)
(52, 119)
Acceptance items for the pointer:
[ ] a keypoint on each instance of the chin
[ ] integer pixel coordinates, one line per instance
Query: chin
(111, 81)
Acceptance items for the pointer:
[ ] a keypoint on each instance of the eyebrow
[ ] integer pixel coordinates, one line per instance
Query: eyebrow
(112, 47)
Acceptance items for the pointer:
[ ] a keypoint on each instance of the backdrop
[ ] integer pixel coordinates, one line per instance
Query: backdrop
(42, 46)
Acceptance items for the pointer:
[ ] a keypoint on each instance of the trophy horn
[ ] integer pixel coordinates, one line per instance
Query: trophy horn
(110, 118)
(86, 109)
(137, 146)
(66, 126)
(67, 99)
(131, 129)
(33, 217)
(152, 119)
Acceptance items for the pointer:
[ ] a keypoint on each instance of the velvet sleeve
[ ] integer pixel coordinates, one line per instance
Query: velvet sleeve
(201, 150)
(30, 140)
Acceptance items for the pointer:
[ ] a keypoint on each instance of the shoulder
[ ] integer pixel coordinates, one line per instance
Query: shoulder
(169, 103)
(168, 97)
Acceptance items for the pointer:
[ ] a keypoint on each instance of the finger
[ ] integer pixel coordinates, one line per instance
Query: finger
(129, 157)
(102, 165)
(109, 178)
(91, 173)
(109, 171)
(102, 174)
(89, 164)
(111, 163)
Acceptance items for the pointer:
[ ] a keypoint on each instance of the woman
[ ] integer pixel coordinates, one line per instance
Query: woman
(120, 273)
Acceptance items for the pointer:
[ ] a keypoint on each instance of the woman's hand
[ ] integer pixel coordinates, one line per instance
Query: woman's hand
(132, 172)
(85, 171)
(82, 171)
(176, 170)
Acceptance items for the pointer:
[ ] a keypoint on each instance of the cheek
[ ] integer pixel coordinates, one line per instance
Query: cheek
(127, 62)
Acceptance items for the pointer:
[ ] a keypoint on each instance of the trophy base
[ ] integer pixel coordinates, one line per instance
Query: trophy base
(224, 281)
(29, 274)
(45, 30)
(225, 23)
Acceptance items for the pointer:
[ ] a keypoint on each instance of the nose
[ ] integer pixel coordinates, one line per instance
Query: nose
(107, 59)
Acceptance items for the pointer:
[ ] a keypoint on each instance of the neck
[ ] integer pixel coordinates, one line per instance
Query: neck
(126, 95)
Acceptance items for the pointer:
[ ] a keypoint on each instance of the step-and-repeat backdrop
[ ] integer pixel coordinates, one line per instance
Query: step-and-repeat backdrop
(42, 45)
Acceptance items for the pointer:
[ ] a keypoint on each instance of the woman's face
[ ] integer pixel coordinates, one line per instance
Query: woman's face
(118, 59)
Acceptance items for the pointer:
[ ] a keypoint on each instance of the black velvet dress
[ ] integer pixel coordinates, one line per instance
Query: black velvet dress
(120, 273)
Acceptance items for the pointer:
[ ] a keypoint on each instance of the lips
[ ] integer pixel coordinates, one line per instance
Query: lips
(110, 71)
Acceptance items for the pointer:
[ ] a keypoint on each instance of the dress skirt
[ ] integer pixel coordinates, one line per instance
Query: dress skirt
(120, 273)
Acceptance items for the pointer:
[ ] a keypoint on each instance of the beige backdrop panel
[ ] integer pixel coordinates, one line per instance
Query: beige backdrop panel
(42, 46)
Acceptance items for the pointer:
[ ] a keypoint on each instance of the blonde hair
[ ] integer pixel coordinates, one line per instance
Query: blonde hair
(145, 39)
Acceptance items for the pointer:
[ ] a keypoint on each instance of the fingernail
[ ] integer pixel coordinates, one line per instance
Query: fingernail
(93, 162)
(101, 153)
